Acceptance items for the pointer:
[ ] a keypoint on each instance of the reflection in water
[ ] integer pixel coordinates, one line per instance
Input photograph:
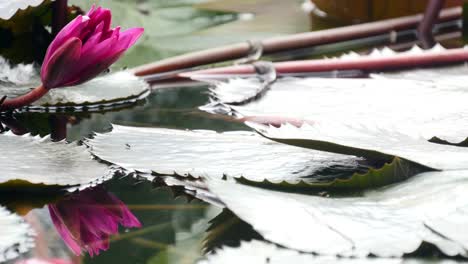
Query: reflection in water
(86, 220)
(43, 261)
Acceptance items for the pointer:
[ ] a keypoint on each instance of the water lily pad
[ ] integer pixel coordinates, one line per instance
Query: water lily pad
(28, 160)
(16, 235)
(9, 8)
(369, 141)
(106, 91)
(263, 252)
(388, 222)
(207, 153)
(449, 75)
(396, 171)
(428, 109)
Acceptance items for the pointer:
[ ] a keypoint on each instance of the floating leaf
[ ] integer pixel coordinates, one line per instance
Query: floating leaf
(371, 142)
(405, 106)
(263, 252)
(431, 207)
(449, 75)
(206, 153)
(396, 171)
(28, 160)
(16, 235)
(9, 8)
(104, 92)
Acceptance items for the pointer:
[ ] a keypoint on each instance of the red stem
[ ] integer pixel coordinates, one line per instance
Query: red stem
(366, 63)
(23, 100)
(290, 42)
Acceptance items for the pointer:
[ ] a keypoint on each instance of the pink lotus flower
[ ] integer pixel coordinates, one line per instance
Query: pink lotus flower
(86, 220)
(80, 51)
(84, 48)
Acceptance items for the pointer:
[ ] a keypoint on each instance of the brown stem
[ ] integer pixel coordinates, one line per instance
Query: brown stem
(296, 41)
(23, 100)
(365, 63)
(59, 15)
(427, 24)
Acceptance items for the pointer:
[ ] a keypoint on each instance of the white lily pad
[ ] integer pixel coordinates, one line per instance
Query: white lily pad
(390, 222)
(9, 8)
(27, 160)
(16, 236)
(106, 91)
(207, 153)
(449, 75)
(263, 252)
(428, 109)
(369, 141)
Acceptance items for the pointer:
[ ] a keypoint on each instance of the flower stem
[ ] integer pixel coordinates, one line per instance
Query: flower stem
(59, 15)
(291, 42)
(23, 100)
(426, 27)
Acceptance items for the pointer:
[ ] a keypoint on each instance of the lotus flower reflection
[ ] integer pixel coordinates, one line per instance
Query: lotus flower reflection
(86, 220)
(84, 48)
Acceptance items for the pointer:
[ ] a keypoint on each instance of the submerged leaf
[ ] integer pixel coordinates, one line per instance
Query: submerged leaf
(16, 236)
(28, 160)
(206, 153)
(431, 207)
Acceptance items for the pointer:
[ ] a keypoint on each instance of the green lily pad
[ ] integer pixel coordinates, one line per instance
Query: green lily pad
(396, 171)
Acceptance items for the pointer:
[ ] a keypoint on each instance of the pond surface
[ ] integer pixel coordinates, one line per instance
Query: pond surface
(173, 224)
